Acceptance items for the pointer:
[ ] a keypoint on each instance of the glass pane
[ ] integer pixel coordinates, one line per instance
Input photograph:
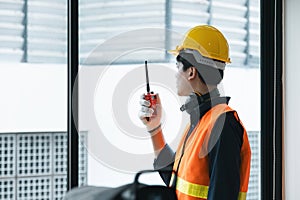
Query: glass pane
(33, 73)
(114, 41)
(113, 47)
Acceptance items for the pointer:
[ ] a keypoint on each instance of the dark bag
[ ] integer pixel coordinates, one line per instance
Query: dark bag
(133, 191)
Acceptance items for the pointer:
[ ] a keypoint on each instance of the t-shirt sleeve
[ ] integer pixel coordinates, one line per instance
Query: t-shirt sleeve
(165, 161)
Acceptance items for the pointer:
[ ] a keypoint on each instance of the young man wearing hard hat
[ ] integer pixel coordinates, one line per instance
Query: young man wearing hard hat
(212, 160)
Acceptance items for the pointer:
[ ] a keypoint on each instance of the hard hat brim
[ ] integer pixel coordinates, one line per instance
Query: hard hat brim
(173, 52)
(176, 51)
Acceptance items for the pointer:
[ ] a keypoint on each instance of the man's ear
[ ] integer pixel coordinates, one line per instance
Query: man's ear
(192, 73)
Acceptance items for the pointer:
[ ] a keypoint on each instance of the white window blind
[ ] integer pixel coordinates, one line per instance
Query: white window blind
(33, 31)
(254, 33)
(47, 31)
(121, 31)
(11, 30)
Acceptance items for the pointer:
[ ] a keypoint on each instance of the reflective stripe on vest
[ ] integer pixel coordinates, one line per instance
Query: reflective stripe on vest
(199, 191)
(191, 189)
(242, 195)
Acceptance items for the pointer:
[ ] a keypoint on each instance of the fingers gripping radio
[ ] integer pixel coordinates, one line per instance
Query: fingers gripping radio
(152, 98)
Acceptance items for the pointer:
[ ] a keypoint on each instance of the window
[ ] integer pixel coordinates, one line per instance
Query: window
(116, 37)
(33, 138)
(113, 47)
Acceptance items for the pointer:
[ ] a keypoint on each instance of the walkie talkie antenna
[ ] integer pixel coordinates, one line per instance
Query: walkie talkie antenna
(147, 77)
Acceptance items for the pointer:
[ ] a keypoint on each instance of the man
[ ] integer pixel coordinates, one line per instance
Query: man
(212, 160)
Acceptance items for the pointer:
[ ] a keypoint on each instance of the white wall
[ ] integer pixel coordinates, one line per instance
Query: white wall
(292, 99)
(33, 97)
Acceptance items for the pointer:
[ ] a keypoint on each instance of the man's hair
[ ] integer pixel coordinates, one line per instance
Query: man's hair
(207, 74)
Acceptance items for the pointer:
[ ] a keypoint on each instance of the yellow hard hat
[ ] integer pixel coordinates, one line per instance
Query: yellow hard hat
(208, 41)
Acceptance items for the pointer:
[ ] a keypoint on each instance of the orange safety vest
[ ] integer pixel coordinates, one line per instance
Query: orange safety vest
(193, 173)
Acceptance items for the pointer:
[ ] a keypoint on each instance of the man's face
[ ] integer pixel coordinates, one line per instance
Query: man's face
(183, 85)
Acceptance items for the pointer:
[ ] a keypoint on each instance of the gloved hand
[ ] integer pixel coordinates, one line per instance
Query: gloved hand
(153, 114)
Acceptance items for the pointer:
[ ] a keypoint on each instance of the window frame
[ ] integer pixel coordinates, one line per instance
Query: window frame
(271, 99)
(72, 123)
